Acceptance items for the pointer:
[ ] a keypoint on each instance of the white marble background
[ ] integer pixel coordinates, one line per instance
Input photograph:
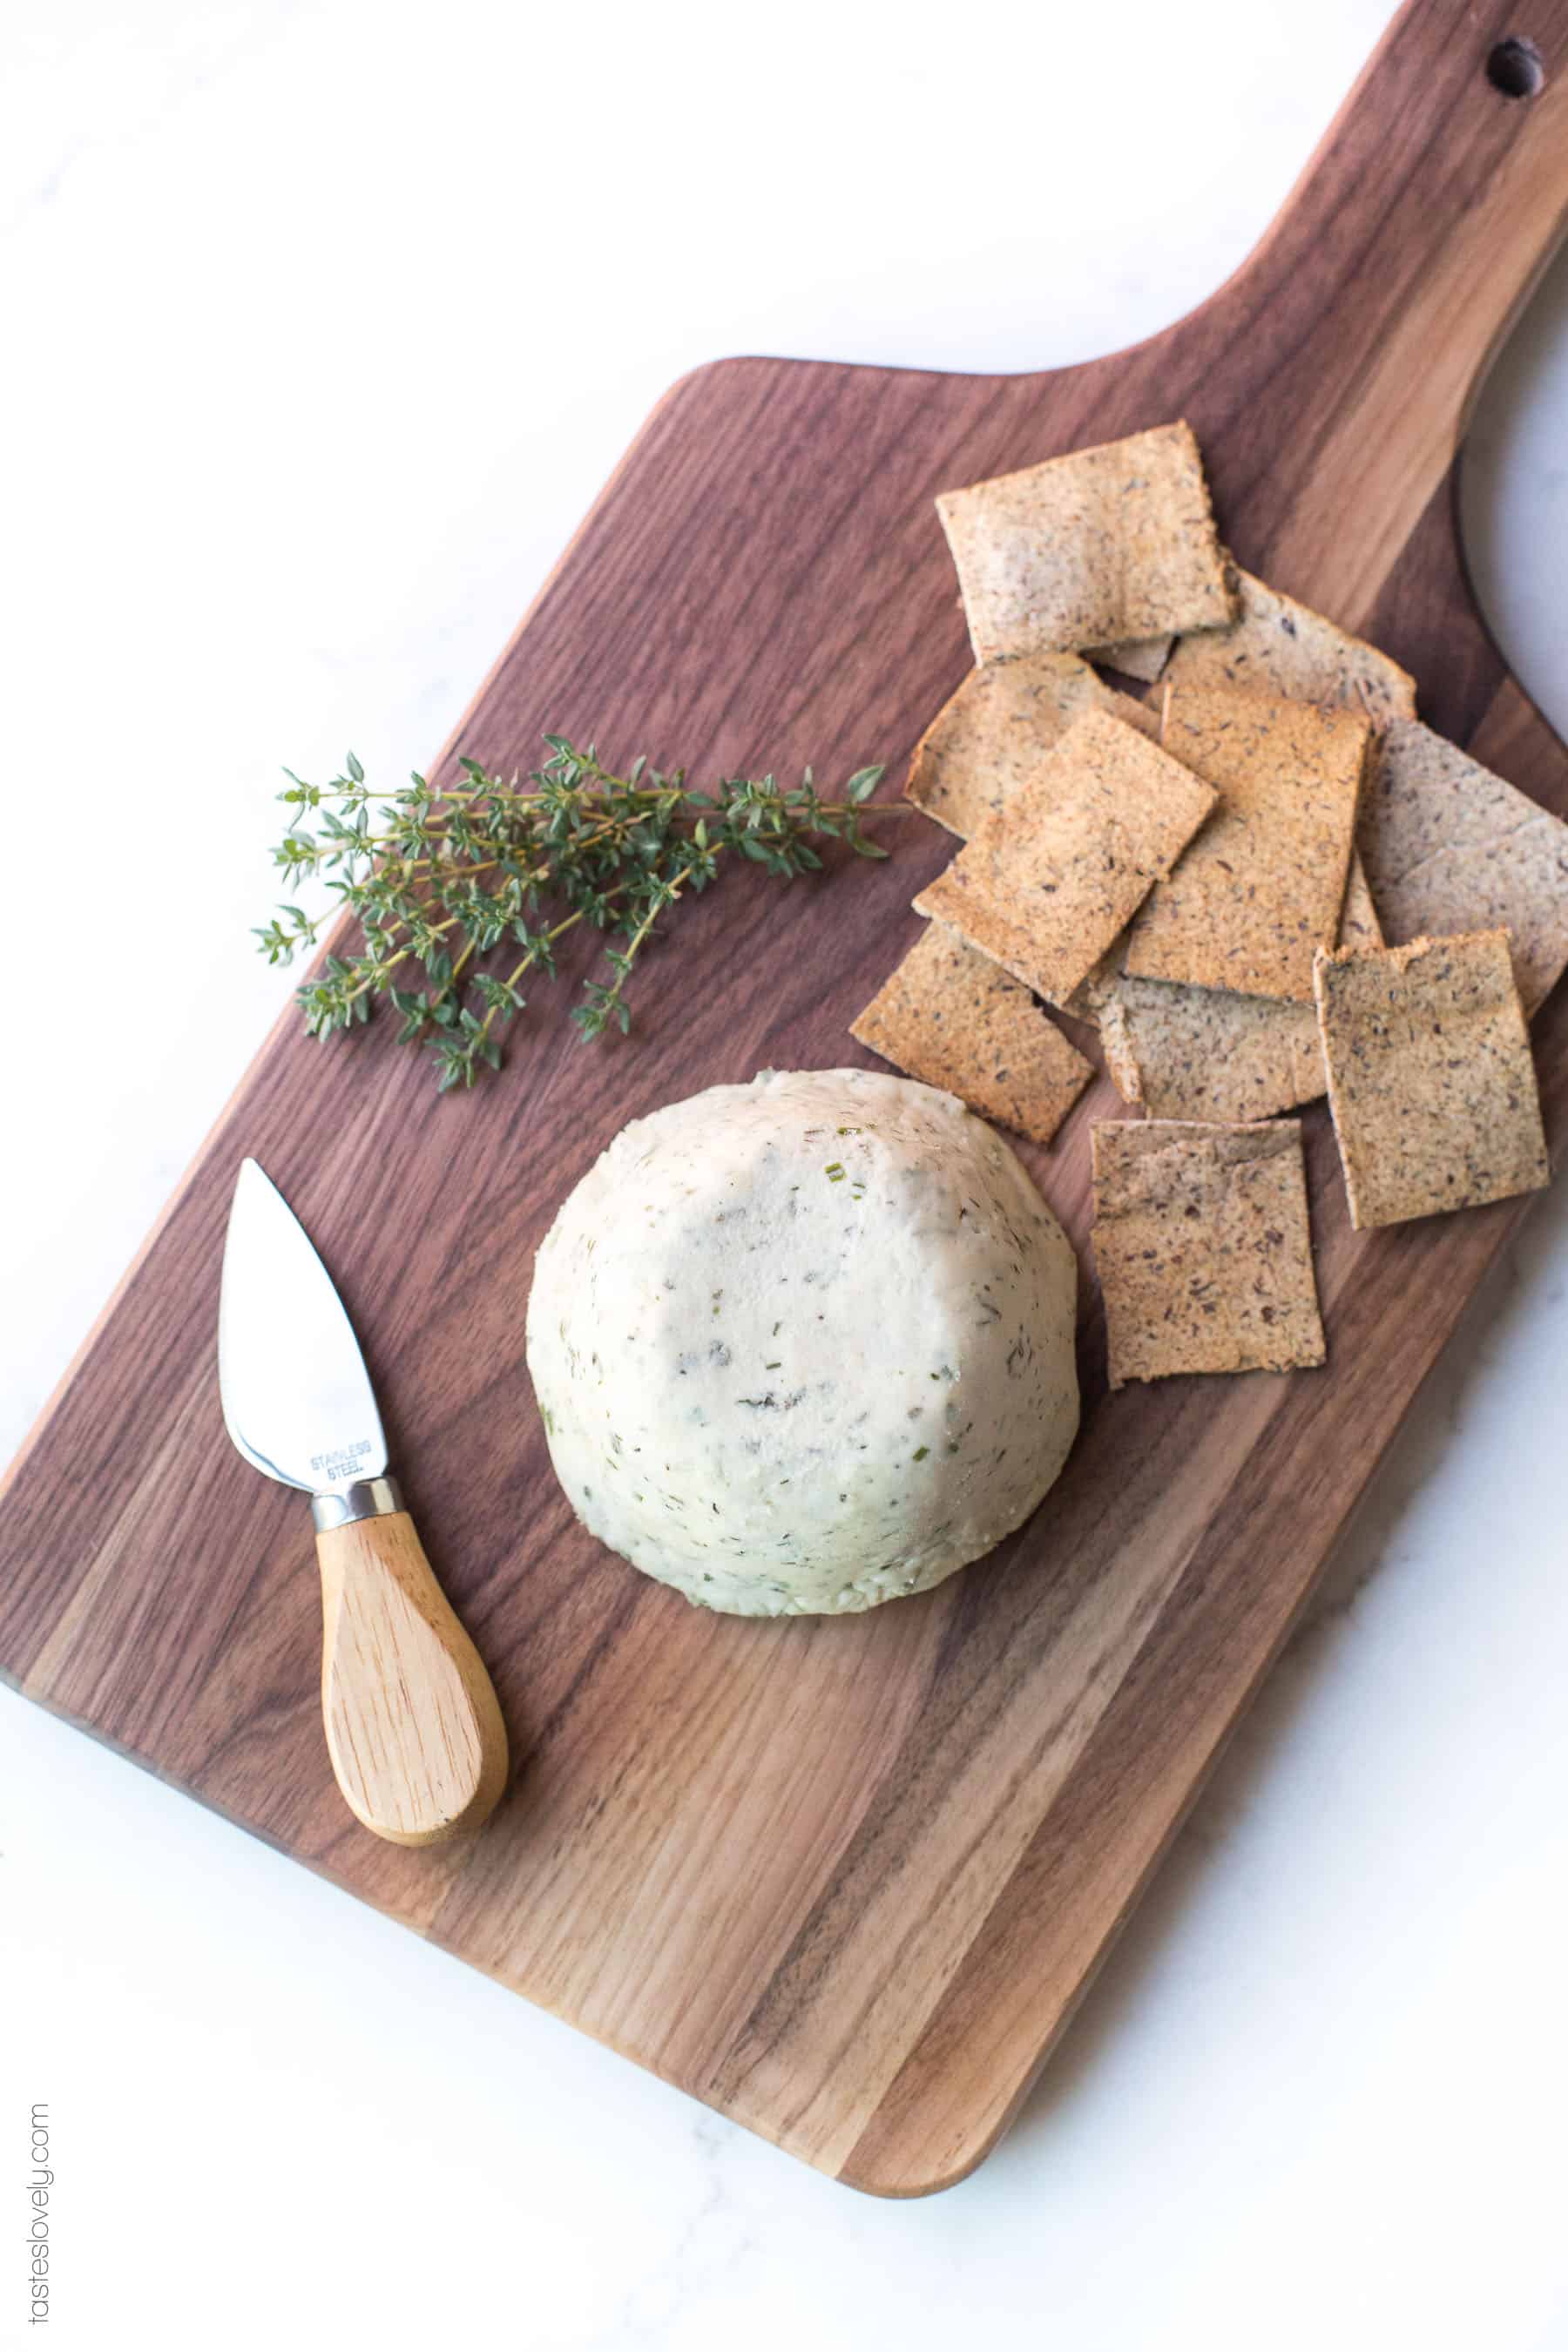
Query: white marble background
(324, 324)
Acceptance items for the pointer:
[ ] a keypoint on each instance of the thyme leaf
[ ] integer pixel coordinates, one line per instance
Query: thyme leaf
(441, 877)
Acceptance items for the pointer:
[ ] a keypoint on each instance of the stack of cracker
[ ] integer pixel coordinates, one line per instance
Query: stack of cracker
(1268, 881)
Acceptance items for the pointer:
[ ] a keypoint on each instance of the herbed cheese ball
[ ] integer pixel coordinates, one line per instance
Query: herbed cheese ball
(804, 1345)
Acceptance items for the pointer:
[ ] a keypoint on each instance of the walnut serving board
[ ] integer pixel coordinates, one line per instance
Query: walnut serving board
(843, 1880)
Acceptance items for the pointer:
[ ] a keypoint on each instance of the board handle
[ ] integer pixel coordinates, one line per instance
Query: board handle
(413, 1726)
(1369, 312)
(1419, 228)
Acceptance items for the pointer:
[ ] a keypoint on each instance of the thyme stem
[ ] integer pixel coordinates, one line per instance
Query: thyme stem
(452, 871)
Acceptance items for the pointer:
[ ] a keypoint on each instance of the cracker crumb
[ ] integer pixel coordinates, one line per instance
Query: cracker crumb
(1142, 657)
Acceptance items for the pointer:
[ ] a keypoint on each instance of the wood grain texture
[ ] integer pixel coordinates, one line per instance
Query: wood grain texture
(413, 1727)
(845, 1880)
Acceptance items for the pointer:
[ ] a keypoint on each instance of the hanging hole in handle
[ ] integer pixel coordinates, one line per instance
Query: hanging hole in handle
(1514, 67)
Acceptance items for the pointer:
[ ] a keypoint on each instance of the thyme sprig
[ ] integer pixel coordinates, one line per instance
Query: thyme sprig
(462, 891)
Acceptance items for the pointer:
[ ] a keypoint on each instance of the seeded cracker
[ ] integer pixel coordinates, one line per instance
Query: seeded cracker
(1207, 1054)
(1431, 1081)
(1204, 1249)
(954, 1019)
(1450, 847)
(1281, 647)
(1100, 546)
(991, 736)
(1263, 885)
(1045, 885)
(1203, 1054)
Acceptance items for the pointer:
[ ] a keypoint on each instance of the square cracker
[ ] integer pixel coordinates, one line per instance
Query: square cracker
(1449, 848)
(1262, 889)
(1207, 1054)
(954, 1019)
(1279, 646)
(992, 734)
(1204, 1248)
(1431, 1082)
(1045, 885)
(1092, 549)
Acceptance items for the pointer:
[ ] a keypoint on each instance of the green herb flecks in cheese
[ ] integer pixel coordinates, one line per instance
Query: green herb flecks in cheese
(804, 1345)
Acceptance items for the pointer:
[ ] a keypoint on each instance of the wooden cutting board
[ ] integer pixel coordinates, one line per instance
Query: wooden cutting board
(844, 1881)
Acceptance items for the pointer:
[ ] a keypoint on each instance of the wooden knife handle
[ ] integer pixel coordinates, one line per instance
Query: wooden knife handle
(413, 1727)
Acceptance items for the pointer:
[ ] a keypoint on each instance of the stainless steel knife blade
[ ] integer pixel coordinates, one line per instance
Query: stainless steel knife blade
(413, 1727)
(295, 1395)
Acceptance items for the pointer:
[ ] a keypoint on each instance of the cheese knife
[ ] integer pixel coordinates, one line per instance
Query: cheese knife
(413, 1727)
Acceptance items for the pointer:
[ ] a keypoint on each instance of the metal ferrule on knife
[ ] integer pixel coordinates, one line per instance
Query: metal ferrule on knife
(367, 1498)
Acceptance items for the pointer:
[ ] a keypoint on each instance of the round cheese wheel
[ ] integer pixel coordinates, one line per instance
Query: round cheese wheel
(806, 1344)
